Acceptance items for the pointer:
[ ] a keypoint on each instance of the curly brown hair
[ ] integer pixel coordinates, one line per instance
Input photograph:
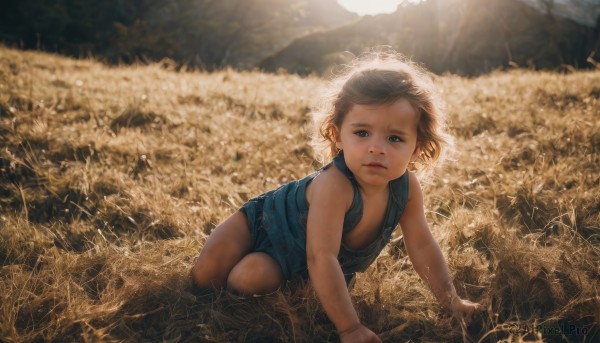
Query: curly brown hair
(377, 78)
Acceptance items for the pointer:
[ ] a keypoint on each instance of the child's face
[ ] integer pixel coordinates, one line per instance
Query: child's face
(379, 141)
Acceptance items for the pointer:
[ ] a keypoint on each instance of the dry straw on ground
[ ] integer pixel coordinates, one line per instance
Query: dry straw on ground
(112, 178)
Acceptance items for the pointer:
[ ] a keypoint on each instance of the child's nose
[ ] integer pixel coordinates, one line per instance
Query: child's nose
(376, 147)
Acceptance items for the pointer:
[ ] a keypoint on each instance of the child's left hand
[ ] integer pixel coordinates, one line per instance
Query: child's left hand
(464, 309)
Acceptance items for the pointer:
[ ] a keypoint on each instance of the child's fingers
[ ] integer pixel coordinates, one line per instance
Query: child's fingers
(465, 309)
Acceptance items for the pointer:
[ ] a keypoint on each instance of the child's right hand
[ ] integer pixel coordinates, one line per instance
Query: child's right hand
(357, 334)
(464, 309)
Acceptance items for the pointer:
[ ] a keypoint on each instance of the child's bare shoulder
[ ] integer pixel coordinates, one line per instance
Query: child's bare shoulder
(331, 183)
(414, 186)
(413, 212)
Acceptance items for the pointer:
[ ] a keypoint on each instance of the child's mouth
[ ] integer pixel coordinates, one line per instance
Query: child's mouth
(375, 165)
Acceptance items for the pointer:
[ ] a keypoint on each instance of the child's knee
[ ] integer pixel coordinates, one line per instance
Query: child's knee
(257, 273)
(242, 279)
(238, 280)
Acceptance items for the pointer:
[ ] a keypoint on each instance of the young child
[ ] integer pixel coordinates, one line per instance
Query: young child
(382, 116)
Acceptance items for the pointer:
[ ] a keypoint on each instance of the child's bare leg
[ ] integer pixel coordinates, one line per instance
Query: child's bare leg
(256, 273)
(224, 248)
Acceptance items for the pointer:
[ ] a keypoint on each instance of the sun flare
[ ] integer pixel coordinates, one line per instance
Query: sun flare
(362, 7)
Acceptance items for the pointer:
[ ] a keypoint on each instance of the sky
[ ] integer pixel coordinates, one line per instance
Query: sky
(372, 7)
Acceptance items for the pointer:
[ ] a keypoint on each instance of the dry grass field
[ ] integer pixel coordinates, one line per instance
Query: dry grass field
(112, 178)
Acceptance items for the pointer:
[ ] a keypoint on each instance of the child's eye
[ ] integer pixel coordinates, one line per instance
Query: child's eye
(361, 133)
(395, 139)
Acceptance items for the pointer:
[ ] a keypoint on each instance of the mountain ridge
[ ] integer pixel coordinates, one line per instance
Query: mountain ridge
(468, 37)
(503, 34)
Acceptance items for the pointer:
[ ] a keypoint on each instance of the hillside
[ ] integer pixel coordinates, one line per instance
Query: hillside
(200, 33)
(112, 178)
(585, 12)
(468, 37)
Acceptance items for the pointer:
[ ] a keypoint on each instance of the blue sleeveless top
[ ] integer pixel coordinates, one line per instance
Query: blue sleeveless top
(277, 222)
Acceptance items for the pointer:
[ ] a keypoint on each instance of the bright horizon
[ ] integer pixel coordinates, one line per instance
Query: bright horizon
(371, 7)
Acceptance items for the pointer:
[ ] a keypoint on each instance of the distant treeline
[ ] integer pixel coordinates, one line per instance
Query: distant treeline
(204, 33)
(303, 36)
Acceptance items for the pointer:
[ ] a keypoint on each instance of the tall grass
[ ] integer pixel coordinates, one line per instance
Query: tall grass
(112, 178)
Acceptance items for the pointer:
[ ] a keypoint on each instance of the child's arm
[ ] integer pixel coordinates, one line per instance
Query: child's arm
(328, 203)
(425, 253)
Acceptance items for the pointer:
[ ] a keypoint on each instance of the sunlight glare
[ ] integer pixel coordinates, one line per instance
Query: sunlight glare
(371, 7)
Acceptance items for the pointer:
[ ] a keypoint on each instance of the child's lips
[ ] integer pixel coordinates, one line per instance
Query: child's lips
(375, 165)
